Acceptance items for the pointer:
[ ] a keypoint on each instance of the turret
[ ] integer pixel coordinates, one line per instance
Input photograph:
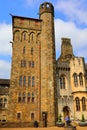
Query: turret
(46, 7)
(66, 48)
(48, 64)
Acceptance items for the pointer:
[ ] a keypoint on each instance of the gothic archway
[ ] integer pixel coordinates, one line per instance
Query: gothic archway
(66, 111)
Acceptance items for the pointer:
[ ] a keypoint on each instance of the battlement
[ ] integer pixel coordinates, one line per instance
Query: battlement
(46, 7)
(66, 40)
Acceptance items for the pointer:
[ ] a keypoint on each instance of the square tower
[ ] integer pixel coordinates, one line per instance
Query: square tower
(32, 94)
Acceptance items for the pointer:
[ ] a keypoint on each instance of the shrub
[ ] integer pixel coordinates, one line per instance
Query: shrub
(59, 118)
(83, 118)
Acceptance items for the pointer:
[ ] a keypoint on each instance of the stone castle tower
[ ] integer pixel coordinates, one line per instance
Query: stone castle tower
(32, 94)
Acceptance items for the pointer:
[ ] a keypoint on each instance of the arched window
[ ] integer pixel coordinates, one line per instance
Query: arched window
(77, 104)
(17, 35)
(28, 98)
(24, 36)
(62, 82)
(75, 79)
(24, 81)
(81, 79)
(32, 37)
(33, 81)
(84, 104)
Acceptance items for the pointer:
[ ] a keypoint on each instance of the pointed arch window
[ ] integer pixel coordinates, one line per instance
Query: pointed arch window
(84, 104)
(81, 79)
(62, 82)
(75, 79)
(77, 104)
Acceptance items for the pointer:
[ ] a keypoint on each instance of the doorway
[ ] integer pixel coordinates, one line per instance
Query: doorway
(44, 118)
(66, 111)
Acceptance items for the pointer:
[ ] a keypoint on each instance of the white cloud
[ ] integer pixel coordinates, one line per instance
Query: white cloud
(5, 49)
(62, 29)
(75, 10)
(5, 38)
(69, 30)
(5, 68)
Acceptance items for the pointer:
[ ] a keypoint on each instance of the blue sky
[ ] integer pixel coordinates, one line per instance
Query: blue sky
(70, 22)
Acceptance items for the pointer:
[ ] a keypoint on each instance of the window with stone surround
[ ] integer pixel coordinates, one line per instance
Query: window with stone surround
(20, 81)
(31, 64)
(3, 103)
(19, 97)
(32, 115)
(19, 115)
(33, 81)
(62, 82)
(77, 100)
(29, 80)
(23, 63)
(81, 79)
(24, 81)
(75, 79)
(24, 36)
(84, 104)
(33, 98)
(24, 97)
(32, 37)
(28, 97)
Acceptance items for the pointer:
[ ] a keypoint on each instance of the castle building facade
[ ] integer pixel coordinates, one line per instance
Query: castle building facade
(71, 83)
(4, 95)
(32, 93)
(41, 88)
